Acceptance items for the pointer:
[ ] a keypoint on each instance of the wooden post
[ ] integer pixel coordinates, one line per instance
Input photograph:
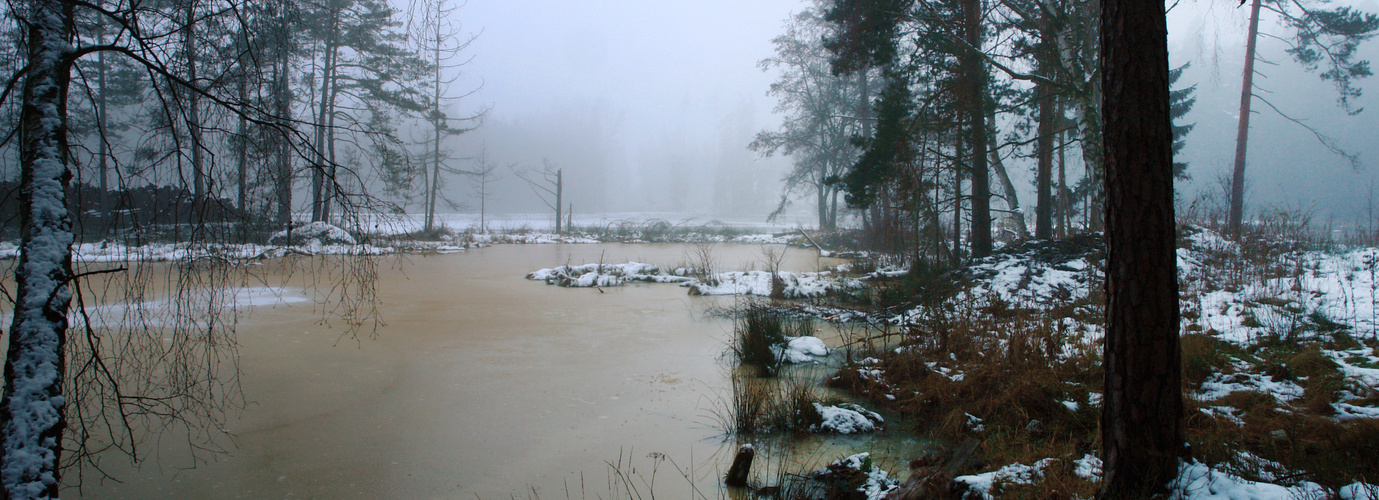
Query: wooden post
(742, 466)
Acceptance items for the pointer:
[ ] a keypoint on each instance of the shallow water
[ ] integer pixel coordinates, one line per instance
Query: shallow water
(483, 384)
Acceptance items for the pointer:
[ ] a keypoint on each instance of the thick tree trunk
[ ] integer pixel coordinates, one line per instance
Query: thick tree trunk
(976, 80)
(31, 409)
(1142, 409)
(1242, 132)
(1043, 210)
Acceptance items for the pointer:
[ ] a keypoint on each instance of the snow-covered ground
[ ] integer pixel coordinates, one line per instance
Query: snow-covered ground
(793, 285)
(1300, 295)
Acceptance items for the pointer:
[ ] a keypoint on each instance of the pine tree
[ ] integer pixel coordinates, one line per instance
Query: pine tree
(1142, 406)
(1320, 37)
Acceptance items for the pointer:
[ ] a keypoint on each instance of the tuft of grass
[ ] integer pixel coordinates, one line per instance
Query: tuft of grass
(1204, 355)
(1310, 361)
(759, 334)
(757, 331)
(750, 410)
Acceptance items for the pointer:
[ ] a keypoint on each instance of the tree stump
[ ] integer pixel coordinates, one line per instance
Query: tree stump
(742, 466)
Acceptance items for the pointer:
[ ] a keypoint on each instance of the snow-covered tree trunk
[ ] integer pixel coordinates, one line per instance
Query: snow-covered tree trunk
(32, 406)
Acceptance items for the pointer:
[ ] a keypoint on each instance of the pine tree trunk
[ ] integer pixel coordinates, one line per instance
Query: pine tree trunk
(282, 95)
(31, 409)
(242, 159)
(559, 192)
(433, 184)
(331, 187)
(1064, 198)
(103, 168)
(981, 182)
(193, 107)
(1242, 132)
(958, 167)
(1142, 410)
(322, 115)
(1043, 210)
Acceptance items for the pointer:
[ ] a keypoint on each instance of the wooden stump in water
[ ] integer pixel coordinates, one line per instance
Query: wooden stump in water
(742, 466)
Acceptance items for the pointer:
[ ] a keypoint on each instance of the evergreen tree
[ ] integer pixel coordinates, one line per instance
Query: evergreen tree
(1321, 37)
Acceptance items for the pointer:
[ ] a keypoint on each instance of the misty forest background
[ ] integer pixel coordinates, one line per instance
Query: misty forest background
(377, 113)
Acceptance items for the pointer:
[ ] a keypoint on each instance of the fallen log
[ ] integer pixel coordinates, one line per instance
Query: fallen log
(822, 252)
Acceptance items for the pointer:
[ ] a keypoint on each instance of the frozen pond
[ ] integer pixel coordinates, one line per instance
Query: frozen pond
(481, 384)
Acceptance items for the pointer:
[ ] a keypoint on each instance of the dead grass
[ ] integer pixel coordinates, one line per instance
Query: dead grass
(1026, 372)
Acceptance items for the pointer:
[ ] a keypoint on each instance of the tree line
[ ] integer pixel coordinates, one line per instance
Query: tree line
(914, 113)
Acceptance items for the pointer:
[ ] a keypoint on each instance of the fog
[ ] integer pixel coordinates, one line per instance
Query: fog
(646, 106)
(649, 106)
(1287, 167)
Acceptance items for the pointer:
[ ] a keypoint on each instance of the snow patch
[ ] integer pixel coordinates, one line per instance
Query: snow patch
(846, 418)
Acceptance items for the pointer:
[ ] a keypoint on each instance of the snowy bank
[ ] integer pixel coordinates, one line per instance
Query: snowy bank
(792, 285)
(601, 275)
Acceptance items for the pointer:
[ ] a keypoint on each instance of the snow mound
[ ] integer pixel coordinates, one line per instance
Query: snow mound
(601, 275)
(873, 483)
(315, 234)
(846, 418)
(801, 350)
(1197, 481)
(792, 284)
(762, 239)
(981, 485)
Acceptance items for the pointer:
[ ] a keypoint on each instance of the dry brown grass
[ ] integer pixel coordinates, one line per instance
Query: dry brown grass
(1020, 365)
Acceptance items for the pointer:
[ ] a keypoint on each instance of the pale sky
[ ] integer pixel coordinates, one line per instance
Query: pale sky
(652, 64)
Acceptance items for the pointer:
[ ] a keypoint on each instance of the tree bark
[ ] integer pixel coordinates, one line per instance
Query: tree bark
(976, 81)
(1043, 211)
(1141, 428)
(1242, 132)
(31, 409)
